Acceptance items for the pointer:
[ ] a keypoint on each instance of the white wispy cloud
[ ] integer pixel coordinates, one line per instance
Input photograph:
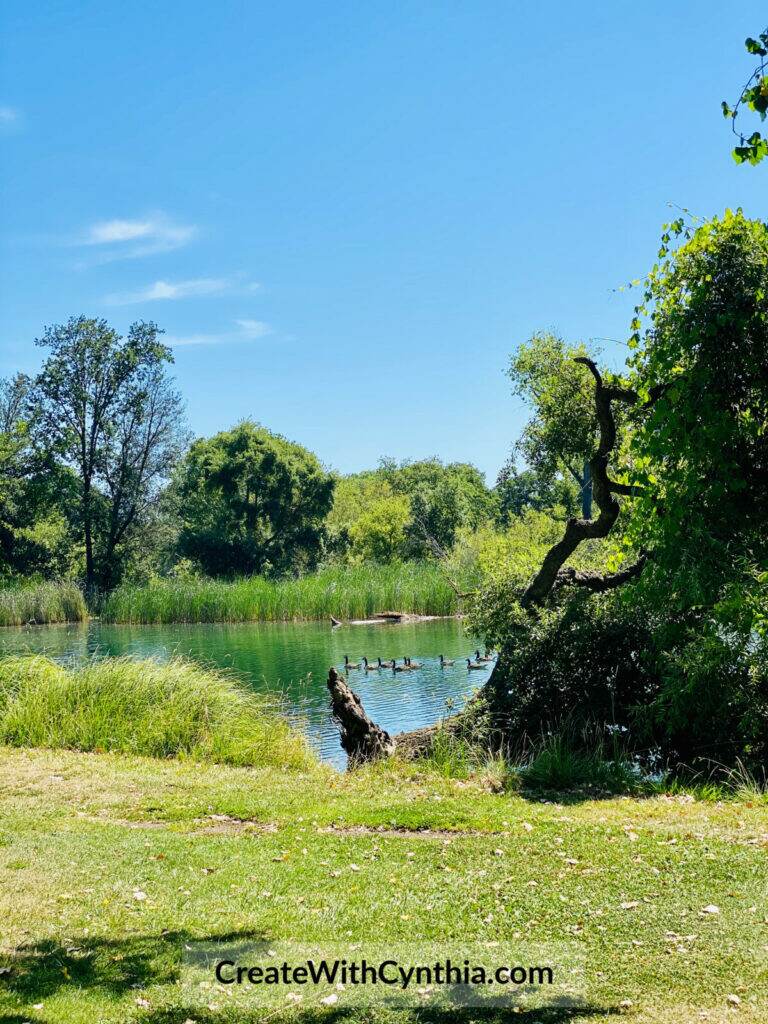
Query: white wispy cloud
(253, 328)
(121, 238)
(193, 288)
(8, 115)
(247, 330)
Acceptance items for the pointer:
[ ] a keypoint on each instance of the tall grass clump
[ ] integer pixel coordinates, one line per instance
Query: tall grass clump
(563, 761)
(38, 603)
(171, 709)
(344, 592)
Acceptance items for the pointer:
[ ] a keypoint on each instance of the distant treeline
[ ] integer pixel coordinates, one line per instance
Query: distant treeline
(101, 483)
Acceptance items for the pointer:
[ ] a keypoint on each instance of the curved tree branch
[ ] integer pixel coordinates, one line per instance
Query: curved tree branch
(551, 573)
(594, 581)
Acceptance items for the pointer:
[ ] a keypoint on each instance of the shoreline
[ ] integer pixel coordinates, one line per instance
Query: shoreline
(407, 618)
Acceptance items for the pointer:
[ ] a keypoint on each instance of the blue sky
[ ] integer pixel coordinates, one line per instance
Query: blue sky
(345, 216)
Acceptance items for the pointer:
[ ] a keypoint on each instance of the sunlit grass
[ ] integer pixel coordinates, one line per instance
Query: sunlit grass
(143, 707)
(111, 864)
(38, 603)
(346, 593)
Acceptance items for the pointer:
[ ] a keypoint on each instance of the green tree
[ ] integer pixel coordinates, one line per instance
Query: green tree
(520, 490)
(353, 496)
(683, 496)
(252, 502)
(107, 409)
(562, 434)
(698, 452)
(379, 534)
(36, 493)
(443, 499)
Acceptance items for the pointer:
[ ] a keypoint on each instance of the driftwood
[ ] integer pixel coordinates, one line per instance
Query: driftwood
(364, 740)
(361, 738)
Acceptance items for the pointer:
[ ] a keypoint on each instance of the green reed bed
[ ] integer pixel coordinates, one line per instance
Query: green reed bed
(346, 593)
(38, 603)
(171, 709)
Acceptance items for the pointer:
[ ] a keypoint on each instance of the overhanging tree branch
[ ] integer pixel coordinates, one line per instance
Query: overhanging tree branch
(551, 573)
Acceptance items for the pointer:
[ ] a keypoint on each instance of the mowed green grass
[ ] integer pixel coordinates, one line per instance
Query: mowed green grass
(109, 863)
(346, 593)
(40, 603)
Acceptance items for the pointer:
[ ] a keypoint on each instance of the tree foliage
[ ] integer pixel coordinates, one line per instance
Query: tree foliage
(561, 435)
(679, 655)
(419, 506)
(519, 490)
(36, 493)
(106, 409)
(252, 502)
(754, 96)
(698, 455)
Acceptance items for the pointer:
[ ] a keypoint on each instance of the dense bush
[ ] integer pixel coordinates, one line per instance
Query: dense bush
(582, 659)
(693, 688)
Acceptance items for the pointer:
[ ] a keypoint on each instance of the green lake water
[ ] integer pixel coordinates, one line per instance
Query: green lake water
(291, 661)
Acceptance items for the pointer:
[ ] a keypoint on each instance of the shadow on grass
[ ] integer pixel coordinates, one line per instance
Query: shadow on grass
(39, 970)
(117, 967)
(370, 1015)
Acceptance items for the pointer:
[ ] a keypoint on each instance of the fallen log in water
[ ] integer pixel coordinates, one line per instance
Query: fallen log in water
(364, 740)
(361, 738)
(382, 618)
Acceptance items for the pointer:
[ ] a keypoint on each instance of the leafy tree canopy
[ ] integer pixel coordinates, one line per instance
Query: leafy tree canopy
(252, 502)
(106, 409)
(698, 454)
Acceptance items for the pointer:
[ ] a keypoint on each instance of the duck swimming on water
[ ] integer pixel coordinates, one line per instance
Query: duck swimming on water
(368, 667)
(444, 663)
(350, 664)
(473, 665)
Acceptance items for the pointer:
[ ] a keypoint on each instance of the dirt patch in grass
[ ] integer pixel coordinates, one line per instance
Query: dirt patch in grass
(404, 833)
(223, 824)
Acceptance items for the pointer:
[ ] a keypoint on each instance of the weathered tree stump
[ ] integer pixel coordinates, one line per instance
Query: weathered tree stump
(361, 738)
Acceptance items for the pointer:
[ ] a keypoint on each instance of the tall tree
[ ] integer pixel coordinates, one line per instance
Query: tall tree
(695, 461)
(252, 502)
(110, 413)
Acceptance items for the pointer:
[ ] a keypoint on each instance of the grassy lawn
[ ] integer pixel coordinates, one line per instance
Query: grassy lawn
(108, 863)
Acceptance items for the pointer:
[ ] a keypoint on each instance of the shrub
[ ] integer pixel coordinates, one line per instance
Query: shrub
(582, 660)
(692, 685)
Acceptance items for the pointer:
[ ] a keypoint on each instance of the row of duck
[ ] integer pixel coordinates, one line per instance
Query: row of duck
(480, 661)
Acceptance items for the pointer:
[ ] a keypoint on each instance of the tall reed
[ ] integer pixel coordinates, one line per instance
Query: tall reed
(170, 709)
(346, 593)
(38, 603)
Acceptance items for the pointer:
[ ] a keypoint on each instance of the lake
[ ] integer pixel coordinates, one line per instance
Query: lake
(291, 660)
